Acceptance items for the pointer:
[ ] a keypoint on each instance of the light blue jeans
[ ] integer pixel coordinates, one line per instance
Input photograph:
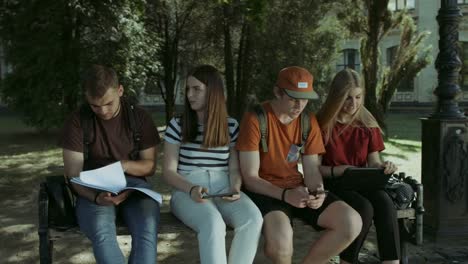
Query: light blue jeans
(209, 220)
(141, 215)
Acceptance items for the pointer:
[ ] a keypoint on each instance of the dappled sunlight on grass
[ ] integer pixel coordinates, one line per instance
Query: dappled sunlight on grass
(406, 154)
(169, 244)
(17, 229)
(18, 168)
(403, 143)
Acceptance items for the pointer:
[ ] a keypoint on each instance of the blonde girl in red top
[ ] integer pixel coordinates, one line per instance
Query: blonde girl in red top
(353, 138)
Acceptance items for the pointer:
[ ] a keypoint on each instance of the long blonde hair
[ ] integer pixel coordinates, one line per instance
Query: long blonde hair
(343, 82)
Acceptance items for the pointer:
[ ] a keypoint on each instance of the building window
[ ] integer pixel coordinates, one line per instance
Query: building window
(407, 84)
(462, 2)
(350, 59)
(402, 4)
(464, 71)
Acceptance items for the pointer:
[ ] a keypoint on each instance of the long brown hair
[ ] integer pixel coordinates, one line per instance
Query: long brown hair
(342, 83)
(215, 132)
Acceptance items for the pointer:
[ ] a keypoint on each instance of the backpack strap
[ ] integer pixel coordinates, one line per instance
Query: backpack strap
(87, 117)
(135, 128)
(87, 125)
(305, 128)
(263, 124)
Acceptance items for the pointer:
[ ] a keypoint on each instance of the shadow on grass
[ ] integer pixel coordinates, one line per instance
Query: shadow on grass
(405, 126)
(394, 155)
(404, 146)
(25, 142)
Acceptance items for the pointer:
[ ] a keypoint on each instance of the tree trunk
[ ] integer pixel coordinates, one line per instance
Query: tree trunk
(243, 70)
(71, 52)
(371, 65)
(228, 61)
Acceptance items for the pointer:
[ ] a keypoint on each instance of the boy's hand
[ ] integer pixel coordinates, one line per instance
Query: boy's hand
(316, 197)
(297, 197)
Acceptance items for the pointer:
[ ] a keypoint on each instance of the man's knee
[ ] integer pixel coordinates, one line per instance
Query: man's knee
(278, 235)
(278, 249)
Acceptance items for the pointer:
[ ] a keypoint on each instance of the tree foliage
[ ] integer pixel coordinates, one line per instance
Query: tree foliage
(265, 36)
(49, 43)
(372, 21)
(153, 43)
(411, 57)
(295, 36)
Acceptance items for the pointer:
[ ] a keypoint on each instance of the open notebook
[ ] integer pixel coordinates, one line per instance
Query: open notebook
(111, 178)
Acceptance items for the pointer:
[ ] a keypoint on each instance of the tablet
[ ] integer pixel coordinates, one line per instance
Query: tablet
(360, 179)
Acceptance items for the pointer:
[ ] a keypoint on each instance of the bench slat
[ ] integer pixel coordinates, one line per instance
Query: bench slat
(409, 213)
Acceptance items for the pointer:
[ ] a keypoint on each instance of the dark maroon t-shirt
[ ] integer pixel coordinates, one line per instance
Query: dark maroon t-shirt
(352, 145)
(111, 140)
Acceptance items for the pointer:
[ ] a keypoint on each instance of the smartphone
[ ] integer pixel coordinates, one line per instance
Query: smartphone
(315, 193)
(229, 194)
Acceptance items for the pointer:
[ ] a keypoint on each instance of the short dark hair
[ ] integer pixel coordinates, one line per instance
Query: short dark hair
(98, 79)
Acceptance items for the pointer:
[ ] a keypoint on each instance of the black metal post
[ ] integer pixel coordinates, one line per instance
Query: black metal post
(444, 170)
(448, 63)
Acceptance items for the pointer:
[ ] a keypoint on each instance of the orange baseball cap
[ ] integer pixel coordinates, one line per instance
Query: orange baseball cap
(297, 83)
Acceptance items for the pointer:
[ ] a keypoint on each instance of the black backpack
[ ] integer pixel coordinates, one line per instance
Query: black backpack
(263, 124)
(60, 204)
(401, 192)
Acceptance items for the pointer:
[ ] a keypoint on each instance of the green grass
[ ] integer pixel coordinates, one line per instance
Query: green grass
(12, 124)
(159, 118)
(403, 142)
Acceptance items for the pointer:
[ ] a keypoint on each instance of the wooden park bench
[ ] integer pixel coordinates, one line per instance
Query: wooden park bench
(410, 222)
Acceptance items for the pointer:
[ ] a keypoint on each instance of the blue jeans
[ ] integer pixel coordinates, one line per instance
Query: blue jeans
(209, 220)
(141, 215)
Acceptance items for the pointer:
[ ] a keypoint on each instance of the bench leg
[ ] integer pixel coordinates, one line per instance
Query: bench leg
(404, 252)
(45, 244)
(45, 248)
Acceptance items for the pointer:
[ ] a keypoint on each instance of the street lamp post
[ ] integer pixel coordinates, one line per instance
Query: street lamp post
(445, 137)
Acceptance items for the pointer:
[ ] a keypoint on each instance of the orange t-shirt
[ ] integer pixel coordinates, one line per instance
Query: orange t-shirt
(274, 166)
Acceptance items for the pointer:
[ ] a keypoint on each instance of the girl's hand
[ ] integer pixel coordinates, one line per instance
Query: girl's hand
(196, 193)
(234, 197)
(389, 167)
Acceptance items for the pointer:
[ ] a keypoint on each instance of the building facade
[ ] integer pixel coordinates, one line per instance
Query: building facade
(420, 89)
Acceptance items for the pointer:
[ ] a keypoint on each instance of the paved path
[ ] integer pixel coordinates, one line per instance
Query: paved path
(431, 252)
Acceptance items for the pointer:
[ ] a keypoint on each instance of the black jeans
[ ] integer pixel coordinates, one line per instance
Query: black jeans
(377, 206)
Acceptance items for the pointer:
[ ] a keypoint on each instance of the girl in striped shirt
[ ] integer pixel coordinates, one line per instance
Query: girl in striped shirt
(200, 160)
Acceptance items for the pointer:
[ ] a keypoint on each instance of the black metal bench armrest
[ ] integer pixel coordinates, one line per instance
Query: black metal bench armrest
(417, 205)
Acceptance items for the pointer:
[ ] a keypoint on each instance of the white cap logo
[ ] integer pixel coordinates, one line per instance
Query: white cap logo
(302, 85)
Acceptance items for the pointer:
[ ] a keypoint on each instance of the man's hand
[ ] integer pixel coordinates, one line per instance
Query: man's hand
(106, 198)
(316, 197)
(297, 197)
